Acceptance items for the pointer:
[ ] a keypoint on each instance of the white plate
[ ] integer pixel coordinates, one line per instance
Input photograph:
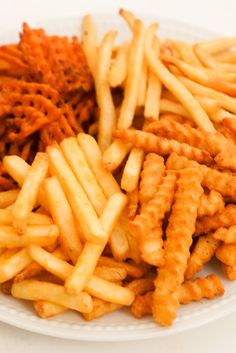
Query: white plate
(119, 326)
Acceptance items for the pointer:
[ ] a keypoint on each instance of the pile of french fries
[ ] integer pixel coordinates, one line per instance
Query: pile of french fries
(130, 219)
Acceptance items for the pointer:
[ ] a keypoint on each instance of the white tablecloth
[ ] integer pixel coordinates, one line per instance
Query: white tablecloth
(217, 15)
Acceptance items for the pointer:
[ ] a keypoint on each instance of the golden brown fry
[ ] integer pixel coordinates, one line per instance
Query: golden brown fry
(151, 177)
(226, 253)
(8, 197)
(133, 76)
(224, 219)
(186, 52)
(14, 264)
(174, 85)
(217, 45)
(203, 252)
(132, 203)
(222, 182)
(101, 308)
(151, 247)
(46, 309)
(227, 235)
(210, 204)
(163, 146)
(177, 246)
(132, 169)
(115, 154)
(29, 192)
(89, 41)
(38, 290)
(112, 274)
(229, 271)
(107, 113)
(118, 70)
(153, 95)
(118, 243)
(34, 218)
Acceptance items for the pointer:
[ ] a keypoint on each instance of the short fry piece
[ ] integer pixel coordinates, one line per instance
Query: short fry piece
(210, 204)
(46, 309)
(115, 154)
(227, 235)
(14, 264)
(226, 253)
(112, 274)
(118, 70)
(101, 308)
(8, 197)
(229, 271)
(132, 169)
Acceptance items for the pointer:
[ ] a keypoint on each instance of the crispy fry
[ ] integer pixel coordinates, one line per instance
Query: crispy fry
(112, 274)
(46, 309)
(210, 204)
(151, 143)
(101, 308)
(226, 253)
(118, 70)
(151, 177)
(89, 41)
(186, 52)
(177, 246)
(13, 265)
(34, 218)
(151, 247)
(227, 235)
(203, 252)
(132, 270)
(118, 243)
(132, 169)
(142, 87)
(153, 103)
(132, 203)
(8, 197)
(174, 85)
(229, 271)
(115, 154)
(141, 286)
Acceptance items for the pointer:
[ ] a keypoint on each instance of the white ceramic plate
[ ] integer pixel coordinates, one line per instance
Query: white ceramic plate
(119, 326)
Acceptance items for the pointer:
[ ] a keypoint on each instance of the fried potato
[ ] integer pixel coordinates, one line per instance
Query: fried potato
(118, 69)
(89, 41)
(34, 218)
(14, 264)
(46, 309)
(132, 169)
(101, 308)
(8, 197)
(115, 154)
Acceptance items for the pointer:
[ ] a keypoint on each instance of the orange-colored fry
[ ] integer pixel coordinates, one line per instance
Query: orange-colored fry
(210, 204)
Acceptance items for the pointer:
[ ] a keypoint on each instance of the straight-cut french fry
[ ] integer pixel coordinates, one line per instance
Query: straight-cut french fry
(83, 173)
(14, 264)
(88, 259)
(174, 85)
(186, 52)
(107, 113)
(152, 104)
(115, 154)
(82, 208)
(217, 45)
(46, 309)
(118, 70)
(29, 192)
(34, 218)
(133, 76)
(132, 169)
(112, 274)
(8, 197)
(63, 218)
(38, 290)
(37, 234)
(93, 156)
(89, 41)
(100, 308)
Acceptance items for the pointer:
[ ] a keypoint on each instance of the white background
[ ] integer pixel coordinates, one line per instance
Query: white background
(217, 15)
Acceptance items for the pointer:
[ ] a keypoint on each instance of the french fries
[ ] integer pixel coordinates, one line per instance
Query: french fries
(90, 42)
(132, 169)
(7, 198)
(118, 69)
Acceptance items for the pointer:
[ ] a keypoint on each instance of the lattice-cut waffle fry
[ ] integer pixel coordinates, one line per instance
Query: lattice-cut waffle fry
(132, 203)
(210, 204)
(226, 218)
(155, 210)
(226, 253)
(163, 146)
(151, 177)
(203, 252)
(193, 290)
(212, 142)
(227, 235)
(151, 247)
(229, 271)
(213, 179)
(177, 246)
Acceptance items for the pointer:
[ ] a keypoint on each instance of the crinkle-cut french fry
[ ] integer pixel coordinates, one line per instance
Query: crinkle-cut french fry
(118, 243)
(14, 264)
(132, 169)
(78, 200)
(177, 246)
(101, 308)
(211, 142)
(141, 285)
(107, 113)
(193, 290)
(206, 77)
(174, 85)
(229, 271)
(151, 177)
(8, 197)
(202, 253)
(151, 247)
(46, 309)
(227, 102)
(93, 156)
(112, 274)
(227, 235)
(154, 211)
(213, 179)
(217, 45)
(226, 253)
(118, 69)
(39, 290)
(42, 235)
(161, 145)
(226, 160)
(186, 53)
(153, 104)
(135, 60)
(88, 259)
(115, 154)
(210, 204)
(132, 270)
(29, 192)
(34, 218)
(133, 205)
(83, 173)
(226, 218)
(63, 218)
(89, 41)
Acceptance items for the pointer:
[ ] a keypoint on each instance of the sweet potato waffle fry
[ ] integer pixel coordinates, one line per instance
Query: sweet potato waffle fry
(131, 219)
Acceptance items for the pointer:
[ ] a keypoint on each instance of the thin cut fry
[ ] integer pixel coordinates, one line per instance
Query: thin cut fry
(132, 169)
(46, 309)
(89, 41)
(118, 70)
(115, 154)
(100, 308)
(13, 265)
(8, 197)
